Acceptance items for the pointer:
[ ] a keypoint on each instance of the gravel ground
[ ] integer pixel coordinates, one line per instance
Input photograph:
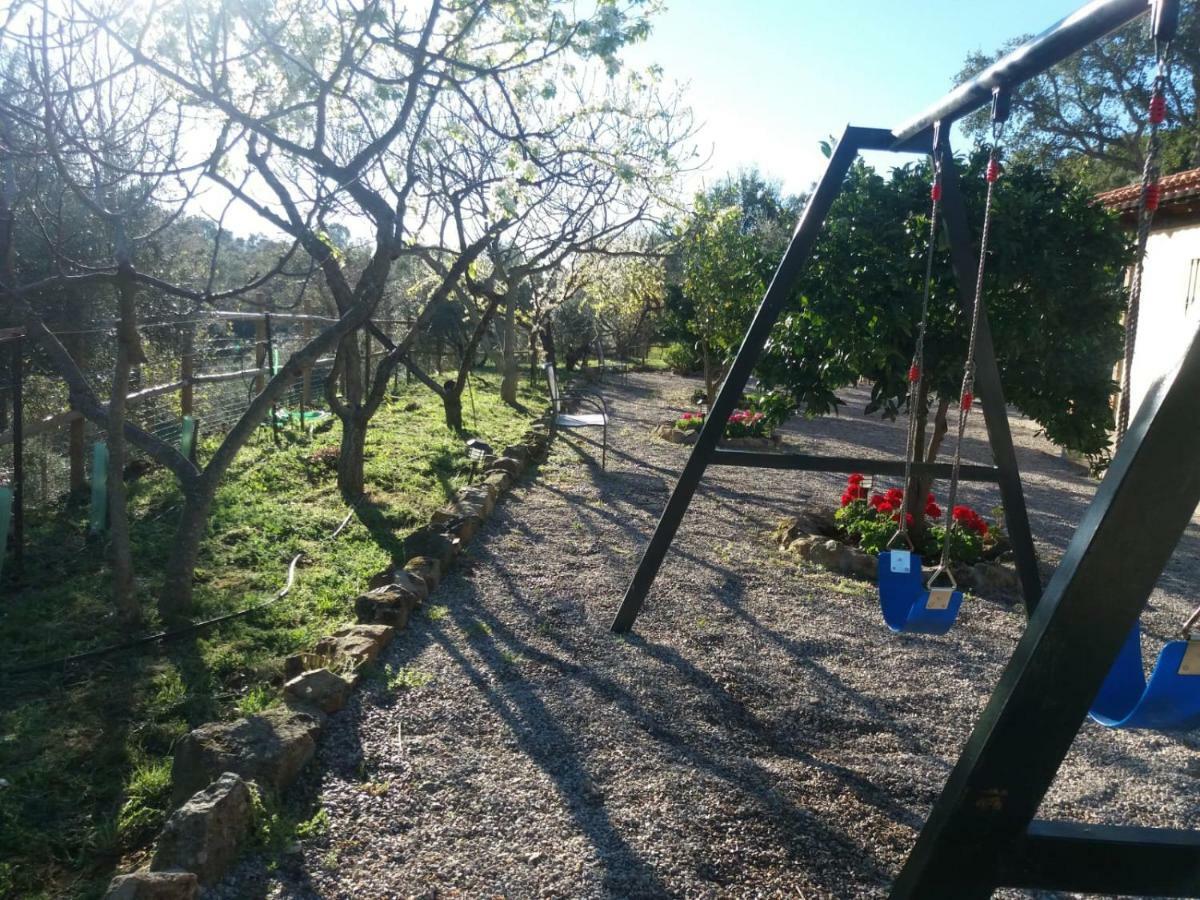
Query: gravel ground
(761, 734)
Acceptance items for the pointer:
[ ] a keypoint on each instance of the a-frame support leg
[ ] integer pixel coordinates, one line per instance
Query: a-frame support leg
(965, 261)
(978, 835)
(852, 141)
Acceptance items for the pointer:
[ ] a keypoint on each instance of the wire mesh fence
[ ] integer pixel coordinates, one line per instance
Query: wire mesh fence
(209, 369)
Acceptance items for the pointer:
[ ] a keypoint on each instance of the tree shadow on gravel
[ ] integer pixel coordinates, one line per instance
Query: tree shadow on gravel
(685, 742)
(548, 744)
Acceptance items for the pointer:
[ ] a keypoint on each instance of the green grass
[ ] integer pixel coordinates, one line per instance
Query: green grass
(86, 753)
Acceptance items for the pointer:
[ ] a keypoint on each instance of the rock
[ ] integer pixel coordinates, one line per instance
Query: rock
(466, 528)
(453, 513)
(204, 835)
(862, 564)
(501, 481)
(347, 649)
(319, 688)
(519, 452)
(828, 554)
(147, 885)
(801, 525)
(427, 569)
(508, 465)
(482, 496)
(381, 578)
(434, 544)
(388, 605)
(802, 546)
(301, 662)
(270, 748)
(413, 583)
(995, 580)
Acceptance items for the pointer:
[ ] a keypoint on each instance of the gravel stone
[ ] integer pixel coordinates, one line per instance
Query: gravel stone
(760, 734)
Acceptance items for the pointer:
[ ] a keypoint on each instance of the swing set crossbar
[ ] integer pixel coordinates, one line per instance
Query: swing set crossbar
(806, 462)
(981, 833)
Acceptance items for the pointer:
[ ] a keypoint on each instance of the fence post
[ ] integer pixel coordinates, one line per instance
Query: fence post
(306, 379)
(260, 352)
(270, 338)
(187, 368)
(18, 429)
(75, 429)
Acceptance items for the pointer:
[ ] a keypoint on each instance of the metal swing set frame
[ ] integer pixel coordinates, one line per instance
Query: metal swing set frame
(981, 833)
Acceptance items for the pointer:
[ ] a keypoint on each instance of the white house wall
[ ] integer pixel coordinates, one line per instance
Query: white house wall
(1169, 306)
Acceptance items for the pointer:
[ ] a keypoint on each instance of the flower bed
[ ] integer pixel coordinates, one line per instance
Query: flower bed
(869, 522)
(745, 428)
(743, 423)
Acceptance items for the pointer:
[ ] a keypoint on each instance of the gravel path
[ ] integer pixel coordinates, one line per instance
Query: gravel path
(762, 734)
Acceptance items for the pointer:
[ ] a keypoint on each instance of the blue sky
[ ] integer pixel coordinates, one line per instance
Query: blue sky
(771, 78)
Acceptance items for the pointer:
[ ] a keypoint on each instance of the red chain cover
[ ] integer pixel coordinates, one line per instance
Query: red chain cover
(935, 192)
(914, 374)
(993, 170)
(1158, 108)
(1153, 196)
(967, 399)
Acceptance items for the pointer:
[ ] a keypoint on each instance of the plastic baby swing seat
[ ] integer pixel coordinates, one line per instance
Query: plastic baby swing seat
(908, 604)
(1168, 701)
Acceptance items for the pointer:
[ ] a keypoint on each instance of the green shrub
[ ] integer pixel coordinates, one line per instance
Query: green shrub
(681, 358)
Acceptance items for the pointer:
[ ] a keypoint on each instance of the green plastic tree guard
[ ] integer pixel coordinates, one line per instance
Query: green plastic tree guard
(187, 437)
(99, 517)
(6, 508)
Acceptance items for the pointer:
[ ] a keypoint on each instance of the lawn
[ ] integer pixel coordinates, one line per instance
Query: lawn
(85, 750)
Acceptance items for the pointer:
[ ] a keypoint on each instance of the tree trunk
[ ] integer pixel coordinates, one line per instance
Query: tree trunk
(351, 480)
(918, 488)
(533, 355)
(176, 601)
(508, 386)
(129, 352)
(709, 387)
(452, 403)
(350, 477)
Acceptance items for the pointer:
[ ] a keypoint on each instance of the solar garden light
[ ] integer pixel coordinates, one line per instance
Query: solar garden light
(477, 450)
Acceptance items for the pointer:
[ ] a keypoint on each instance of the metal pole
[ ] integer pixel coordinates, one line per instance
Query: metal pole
(1089, 23)
(989, 387)
(777, 295)
(271, 367)
(1113, 562)
(18, 429)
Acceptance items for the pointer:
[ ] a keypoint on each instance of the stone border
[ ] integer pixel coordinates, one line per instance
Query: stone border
(217, 767)
(990, 579)
(672, 435)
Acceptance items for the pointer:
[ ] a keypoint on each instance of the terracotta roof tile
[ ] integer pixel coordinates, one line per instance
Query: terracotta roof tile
(1177, 187)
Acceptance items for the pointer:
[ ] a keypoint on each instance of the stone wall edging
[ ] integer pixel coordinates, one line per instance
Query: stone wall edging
(217, 766)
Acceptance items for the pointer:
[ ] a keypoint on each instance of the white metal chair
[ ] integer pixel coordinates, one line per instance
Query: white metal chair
(562, 419)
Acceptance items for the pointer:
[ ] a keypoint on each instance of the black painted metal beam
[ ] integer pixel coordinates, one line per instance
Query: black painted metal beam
(776, 297)
(1118, 552)
(808, 463)
(1088, 23)
(1067, 856)
(989, 388)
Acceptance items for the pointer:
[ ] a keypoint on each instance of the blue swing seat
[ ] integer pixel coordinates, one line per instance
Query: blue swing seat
(1169, 701)
(906, 601)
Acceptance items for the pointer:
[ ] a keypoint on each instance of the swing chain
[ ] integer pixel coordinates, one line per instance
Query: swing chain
(1188, 630)
(1000, 110)
(916, 372)
(1148, 200)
